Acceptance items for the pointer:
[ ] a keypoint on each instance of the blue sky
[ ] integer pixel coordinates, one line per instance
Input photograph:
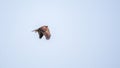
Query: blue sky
(85, 34)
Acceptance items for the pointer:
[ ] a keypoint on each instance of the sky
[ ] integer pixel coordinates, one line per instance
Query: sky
(84, 34)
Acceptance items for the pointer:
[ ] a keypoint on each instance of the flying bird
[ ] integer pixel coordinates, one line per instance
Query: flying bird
(43, 31)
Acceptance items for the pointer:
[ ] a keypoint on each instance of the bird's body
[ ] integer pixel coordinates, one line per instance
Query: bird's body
(43, 31)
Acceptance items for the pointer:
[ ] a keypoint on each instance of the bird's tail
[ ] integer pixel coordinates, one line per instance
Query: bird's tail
(35, 30)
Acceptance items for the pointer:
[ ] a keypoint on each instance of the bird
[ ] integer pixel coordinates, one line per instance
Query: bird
(43, 31)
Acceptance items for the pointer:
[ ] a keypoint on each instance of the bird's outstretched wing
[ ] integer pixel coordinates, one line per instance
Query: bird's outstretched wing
(47, 34)
(40, 34)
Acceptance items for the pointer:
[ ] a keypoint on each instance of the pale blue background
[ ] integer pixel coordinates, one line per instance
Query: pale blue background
(85, 34)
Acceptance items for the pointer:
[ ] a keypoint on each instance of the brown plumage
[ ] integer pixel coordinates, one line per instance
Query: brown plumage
(43, 31)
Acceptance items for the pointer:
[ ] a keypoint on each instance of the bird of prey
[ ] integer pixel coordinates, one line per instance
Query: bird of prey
(43, 31)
